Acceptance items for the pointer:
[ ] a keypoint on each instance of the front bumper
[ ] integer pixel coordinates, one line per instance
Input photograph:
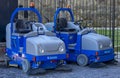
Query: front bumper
(47, 61)
(103, 55)
(47, 57)
(102, 58)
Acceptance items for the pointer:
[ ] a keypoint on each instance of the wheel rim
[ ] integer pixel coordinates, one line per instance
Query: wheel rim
(81, 60)
(24, 66)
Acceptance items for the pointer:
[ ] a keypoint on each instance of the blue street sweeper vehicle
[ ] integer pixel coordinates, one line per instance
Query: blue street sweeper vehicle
(30, 45)
(83, 45)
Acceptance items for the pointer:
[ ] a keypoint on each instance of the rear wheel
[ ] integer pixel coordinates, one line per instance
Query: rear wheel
(82, 60)
(26, 66)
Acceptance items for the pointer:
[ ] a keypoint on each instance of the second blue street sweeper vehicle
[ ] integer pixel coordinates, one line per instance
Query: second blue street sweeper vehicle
(83, 45)
(31, 46)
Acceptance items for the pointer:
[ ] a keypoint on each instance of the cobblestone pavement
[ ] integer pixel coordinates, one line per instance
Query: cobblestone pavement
(109, 71)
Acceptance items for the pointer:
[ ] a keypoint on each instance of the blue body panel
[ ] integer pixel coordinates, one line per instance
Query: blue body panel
(68, 38)
(103, 55)
(47, 57)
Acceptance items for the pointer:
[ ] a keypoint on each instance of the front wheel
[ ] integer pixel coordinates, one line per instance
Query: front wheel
(82, 60)
(26, 66)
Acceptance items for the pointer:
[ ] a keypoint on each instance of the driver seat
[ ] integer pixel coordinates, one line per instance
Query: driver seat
(62, 25)
(21, 27)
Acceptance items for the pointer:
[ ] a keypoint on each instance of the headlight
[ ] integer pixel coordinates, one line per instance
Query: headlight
(61, 48)
(41, 50)
(101, 46)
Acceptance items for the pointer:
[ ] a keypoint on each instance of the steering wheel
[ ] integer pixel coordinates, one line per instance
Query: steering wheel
(79, 22)
(23, 26)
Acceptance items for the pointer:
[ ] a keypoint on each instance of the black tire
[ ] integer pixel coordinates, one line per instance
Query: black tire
(64, 68)
(82, 60)
(114, 62)
(26, 66)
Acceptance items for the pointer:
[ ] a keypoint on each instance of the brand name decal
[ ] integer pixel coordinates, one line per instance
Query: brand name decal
(106, 52)
(52, 57)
